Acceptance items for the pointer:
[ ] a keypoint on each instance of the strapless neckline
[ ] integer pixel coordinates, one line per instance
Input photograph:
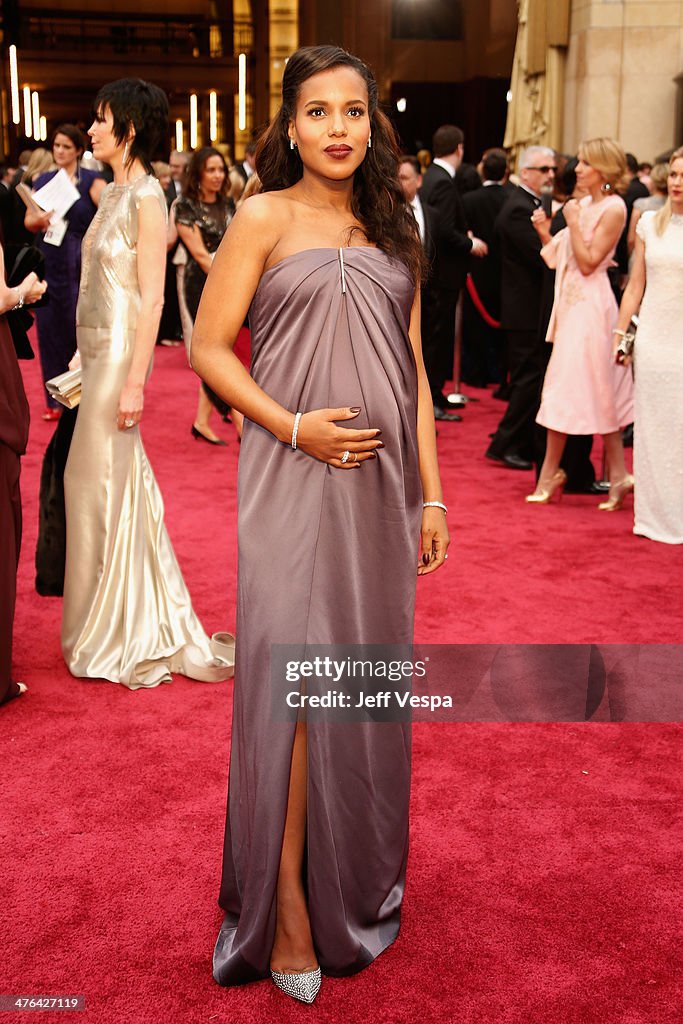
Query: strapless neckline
(324, 248)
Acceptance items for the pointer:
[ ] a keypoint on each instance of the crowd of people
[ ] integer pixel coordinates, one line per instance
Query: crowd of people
(542, 260)
(350, 259)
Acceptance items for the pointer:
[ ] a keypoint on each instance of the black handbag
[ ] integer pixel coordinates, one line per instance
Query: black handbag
(29, 260)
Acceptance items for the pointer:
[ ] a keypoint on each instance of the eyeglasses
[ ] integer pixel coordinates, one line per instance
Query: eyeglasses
(544, 169)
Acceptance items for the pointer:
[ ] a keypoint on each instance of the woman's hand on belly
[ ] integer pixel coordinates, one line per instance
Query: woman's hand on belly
(320, 437)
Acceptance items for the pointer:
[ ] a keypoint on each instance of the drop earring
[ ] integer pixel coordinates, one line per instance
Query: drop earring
(292, 144)
(125, 153)
(370, 142)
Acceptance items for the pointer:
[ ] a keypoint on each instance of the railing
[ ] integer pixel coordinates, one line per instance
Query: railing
(92, 33)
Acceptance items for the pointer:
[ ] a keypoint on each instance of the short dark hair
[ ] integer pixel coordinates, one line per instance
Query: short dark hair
(406, 158)
(72, 133)
(632, 163)
(141, 104)
(494, 164)
(193, 176)
(446, 140)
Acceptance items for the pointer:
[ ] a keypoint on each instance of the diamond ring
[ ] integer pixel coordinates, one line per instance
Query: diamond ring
(129, 423)
(345, 456)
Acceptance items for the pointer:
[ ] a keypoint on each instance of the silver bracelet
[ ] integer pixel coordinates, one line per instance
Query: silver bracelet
(434, 504)
(20, 302)
(622, 334)
(295, 429)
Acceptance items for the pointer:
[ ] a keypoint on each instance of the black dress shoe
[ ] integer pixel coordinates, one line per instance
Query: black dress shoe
(198, 436)
(511, 461)
(516, 462)
(449, 417)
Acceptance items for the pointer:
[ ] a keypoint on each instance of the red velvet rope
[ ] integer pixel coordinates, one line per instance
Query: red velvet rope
(479, 305)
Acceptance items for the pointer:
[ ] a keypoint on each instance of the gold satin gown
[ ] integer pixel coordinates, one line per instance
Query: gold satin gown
(127, 612)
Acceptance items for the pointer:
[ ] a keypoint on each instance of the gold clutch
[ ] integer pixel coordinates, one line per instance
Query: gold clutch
(66, 388)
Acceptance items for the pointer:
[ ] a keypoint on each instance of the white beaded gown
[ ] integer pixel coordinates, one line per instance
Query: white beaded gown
(658, 365)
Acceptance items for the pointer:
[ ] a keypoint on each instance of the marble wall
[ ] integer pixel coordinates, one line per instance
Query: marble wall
(622, 60)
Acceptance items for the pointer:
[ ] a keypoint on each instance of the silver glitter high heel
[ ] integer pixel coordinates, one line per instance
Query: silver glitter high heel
(303, 987)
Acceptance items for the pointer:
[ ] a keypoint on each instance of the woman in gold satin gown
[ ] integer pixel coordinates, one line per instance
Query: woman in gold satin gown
(127, 613)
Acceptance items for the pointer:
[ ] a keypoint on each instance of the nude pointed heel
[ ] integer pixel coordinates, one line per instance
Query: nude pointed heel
(617, 493)
(542, 495)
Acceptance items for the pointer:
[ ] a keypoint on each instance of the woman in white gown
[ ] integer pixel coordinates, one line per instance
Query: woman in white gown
(127, 613)
(657, 281)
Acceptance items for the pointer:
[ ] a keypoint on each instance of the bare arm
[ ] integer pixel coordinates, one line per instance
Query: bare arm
(96, 189)
(37, 222)
(232, 282)
(434, 532)
(631, 237)
(30, 289)
(151, 249)
(589, 255)
(633, 295)
(172, 231)
(194, 243)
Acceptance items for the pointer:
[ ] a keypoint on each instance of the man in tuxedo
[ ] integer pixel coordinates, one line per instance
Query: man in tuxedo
(245, 168)
(482, 342)
(521, 290)
(453, 249)
(427, 219)
(178, 162)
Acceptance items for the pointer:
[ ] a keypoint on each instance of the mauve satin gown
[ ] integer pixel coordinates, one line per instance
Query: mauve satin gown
(325, 556)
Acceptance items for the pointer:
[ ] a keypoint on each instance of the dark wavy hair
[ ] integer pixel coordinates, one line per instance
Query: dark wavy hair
(193, 175)
(73, 134)
(142, 105)
(378, 202)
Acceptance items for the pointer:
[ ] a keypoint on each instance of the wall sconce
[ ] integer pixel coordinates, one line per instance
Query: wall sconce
(193, 121)
(213, 116)
(14, 84)
(28, 130)
(242, 91)
(179, 141)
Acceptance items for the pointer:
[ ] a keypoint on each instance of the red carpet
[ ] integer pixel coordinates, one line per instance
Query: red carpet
(541, 876)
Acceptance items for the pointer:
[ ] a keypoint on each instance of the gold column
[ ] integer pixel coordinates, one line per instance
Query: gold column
(283, 40)
(535, 113)
(243, 42)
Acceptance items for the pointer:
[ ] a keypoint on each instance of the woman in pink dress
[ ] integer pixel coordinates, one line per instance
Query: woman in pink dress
(584, 391)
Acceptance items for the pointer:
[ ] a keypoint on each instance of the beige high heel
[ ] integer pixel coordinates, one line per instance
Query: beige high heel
(617, 493)
(542, 495)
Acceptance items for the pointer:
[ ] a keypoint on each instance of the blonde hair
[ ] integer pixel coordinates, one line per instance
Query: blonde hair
(39, 161)
(659, 176)
(161, 169)
(663, 216)
(252, 188)
(607, 157)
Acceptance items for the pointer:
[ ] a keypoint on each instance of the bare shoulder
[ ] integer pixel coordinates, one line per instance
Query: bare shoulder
(260, 220)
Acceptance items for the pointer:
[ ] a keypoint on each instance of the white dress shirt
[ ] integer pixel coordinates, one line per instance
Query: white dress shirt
(446, 166)
(416, 206)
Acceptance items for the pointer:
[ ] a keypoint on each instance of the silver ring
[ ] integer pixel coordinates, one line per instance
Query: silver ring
(129, 423)
(355, 457)
(345, 456)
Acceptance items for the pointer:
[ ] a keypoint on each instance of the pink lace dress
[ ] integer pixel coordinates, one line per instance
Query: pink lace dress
(584, 391)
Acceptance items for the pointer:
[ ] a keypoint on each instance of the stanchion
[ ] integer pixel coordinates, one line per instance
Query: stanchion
(456, 397)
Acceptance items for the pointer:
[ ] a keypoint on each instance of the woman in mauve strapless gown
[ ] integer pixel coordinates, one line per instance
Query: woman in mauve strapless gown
(337, 461)
(584, 391)
(127, 613)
